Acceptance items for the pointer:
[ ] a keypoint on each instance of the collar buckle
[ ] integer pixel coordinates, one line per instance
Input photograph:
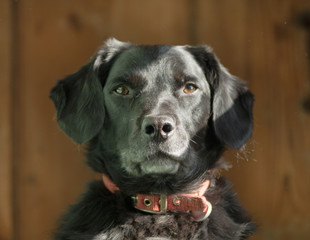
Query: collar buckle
(156, 204)
(163, 203)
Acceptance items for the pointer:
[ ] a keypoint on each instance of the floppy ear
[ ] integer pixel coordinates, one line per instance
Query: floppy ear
(232, 101)
(78, 98)
(232, 110)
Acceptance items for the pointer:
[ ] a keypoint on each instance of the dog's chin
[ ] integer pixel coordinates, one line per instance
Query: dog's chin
(154, 165)
(152, 161)
(159, 166)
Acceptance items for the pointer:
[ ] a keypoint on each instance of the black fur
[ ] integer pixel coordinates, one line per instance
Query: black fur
(216, 113)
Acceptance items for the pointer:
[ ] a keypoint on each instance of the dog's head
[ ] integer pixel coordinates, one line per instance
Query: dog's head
(154, 110)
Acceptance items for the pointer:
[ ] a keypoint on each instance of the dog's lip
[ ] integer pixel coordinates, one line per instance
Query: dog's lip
(164, 155)
(160, 163)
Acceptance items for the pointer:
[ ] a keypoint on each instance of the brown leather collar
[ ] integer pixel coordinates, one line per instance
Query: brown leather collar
(195, 202)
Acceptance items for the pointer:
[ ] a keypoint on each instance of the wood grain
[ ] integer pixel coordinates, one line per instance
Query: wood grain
(55, 39)
(257, 40)
(6, 206)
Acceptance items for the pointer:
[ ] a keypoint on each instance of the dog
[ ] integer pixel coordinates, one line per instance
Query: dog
(157, 119)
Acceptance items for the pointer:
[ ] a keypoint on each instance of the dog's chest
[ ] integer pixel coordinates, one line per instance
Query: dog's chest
(154, 227)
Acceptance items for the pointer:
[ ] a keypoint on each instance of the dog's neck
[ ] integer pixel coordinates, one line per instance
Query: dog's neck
(195, 201)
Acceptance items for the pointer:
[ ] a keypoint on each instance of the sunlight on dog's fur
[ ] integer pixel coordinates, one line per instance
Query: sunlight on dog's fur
(156, 119)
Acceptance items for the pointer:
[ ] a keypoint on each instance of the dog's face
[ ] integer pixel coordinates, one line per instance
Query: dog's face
(154, 110)
(153, 98)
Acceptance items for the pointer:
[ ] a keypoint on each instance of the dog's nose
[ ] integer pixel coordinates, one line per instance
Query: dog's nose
(158, 126)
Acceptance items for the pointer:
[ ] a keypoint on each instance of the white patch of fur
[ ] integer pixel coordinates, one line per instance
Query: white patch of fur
(112, 234)
(121, 231)
(119, 236)
(110, 48)
(160, 166)
(157, 238)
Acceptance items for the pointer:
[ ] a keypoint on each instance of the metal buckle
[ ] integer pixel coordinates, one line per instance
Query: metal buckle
(162, 203)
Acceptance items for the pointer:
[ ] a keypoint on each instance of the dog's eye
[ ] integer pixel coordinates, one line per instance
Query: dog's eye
(121, 90)
(189, 88)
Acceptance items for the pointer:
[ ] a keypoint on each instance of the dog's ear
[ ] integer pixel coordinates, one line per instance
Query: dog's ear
(232, 110)
(232, 102)
(78, 98)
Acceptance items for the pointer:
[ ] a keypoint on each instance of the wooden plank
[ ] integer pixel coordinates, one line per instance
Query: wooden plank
(221, 24)
(55, 39)
(6, 206)
(150, 22)
(259, 41)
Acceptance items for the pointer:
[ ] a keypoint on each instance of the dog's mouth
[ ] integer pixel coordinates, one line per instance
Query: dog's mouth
(156, 163)
(155, 158)
(159, 166)
(160, 163)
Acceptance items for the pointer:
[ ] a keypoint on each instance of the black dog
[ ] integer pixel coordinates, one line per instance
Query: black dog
(157, 119)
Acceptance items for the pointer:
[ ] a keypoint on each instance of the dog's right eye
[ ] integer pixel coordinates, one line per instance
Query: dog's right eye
(122, 90)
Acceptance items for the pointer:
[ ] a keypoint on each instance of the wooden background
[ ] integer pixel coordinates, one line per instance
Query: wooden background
(42, 171)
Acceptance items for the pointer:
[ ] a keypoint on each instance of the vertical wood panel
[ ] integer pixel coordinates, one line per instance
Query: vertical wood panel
(6, 208)
(53, 42)
(55, 39)
(259, 41)
(282, 126)
(222, 25)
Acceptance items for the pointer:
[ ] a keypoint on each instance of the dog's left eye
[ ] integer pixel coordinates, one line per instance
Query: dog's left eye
(122, 90)
(189, 88)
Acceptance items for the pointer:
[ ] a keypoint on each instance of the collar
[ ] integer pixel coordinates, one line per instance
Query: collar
(195, 202)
